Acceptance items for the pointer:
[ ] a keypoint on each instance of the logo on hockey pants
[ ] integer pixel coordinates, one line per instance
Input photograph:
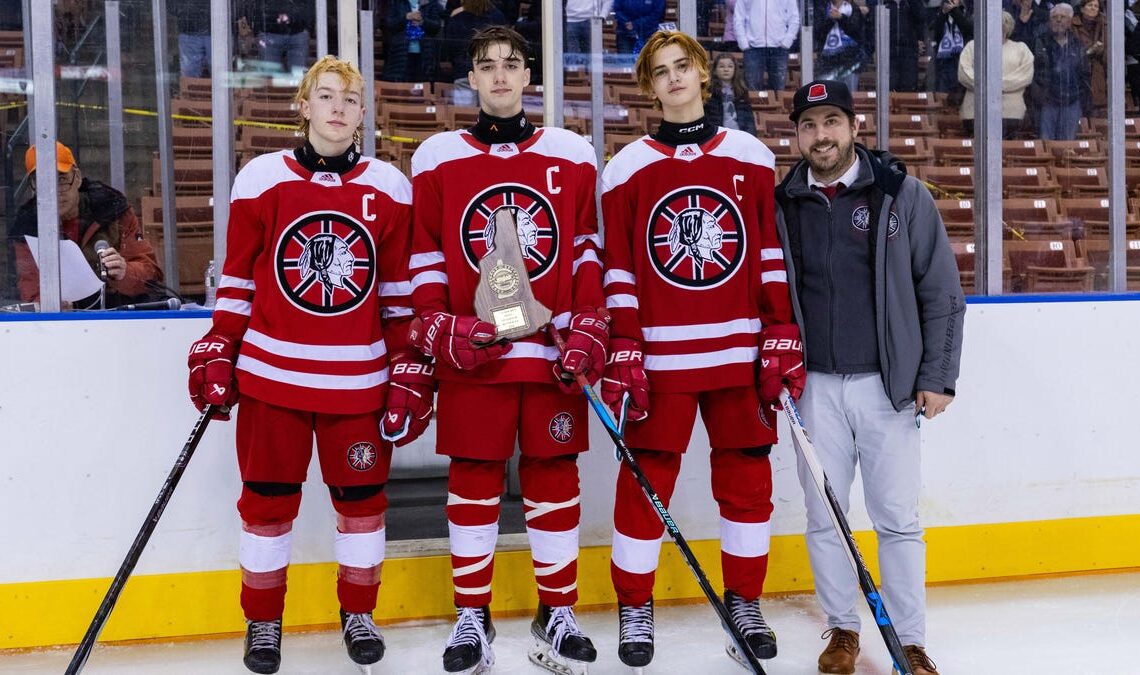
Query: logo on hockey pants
(362, 456)
(562, 427)
(695, 238)
(535, 222)
(325, 263)
(765, 415)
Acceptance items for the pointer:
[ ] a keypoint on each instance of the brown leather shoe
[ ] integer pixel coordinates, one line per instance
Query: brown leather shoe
(841, 652)
(920, 663)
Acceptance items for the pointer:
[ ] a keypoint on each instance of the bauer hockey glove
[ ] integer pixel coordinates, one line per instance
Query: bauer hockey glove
(625, 375)
(585, 349)
(781, 363)
(211, 363)
(411, 389)
(462, 342)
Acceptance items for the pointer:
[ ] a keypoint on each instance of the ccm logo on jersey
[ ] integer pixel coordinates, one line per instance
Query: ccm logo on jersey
(625, 355)
(414, 368)
(782, 345)
(207, 347)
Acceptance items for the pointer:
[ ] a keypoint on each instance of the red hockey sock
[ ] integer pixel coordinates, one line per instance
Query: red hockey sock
(637, 527)
(551, 506)
(473, 491)
(742, 487)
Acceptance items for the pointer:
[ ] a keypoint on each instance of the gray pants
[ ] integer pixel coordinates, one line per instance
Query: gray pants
(852, 423)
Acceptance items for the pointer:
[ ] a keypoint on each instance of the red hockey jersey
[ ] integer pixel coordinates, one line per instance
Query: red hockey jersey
(313, 262)
(459, 184)
(693, 264)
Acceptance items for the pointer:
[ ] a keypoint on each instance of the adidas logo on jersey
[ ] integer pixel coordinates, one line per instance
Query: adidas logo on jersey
(327, 178)
(506, 149)
(688, 152)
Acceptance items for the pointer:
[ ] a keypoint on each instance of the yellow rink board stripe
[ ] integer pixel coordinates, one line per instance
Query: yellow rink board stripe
(203, 603)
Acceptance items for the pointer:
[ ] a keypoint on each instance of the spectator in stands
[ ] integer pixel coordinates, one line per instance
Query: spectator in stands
(1132, 49)
(465, 20)
(1016, 76)
(1030, 19)
(729, 36)
(728, 104)
(408, 27)
(89, 212)
(839, 31)
(193, 17)
(636, 21)
(1089, 25)
(1061, 77)
(765, 30)
(282, 29)
(908, 23)
(952, 26)
(576, 38)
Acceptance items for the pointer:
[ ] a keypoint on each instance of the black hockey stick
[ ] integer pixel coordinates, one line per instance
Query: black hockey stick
(120, 580)
(866, 583)
(608, 422)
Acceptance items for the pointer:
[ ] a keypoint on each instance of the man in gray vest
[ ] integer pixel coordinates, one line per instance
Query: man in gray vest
(876, 292)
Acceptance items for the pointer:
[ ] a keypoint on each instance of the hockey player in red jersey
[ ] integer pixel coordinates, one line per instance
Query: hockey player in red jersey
(491, 393)
(696, 286)
(311, 328)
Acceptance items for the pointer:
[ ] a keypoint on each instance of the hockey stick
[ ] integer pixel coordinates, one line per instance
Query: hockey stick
(866, 583)
(120, 580)
(608, 422)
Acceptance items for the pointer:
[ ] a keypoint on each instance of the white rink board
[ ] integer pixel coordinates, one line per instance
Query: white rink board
(1044, 427)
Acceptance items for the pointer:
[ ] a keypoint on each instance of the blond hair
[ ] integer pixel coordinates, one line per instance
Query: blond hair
(660, 40)
(350, 77)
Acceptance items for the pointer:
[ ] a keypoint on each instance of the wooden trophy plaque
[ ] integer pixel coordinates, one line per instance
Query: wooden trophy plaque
(503, 296)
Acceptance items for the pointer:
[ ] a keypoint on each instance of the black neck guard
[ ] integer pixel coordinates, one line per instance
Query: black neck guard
(311, 160)
(674, 134)
(490, 129)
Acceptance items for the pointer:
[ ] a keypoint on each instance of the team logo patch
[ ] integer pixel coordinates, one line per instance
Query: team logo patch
(861, 218)
(892, 224)
(765, 413)
(817, 92)
(362, 456)
(325, 263)
(534, 219)
(562, 427)
(695, 238)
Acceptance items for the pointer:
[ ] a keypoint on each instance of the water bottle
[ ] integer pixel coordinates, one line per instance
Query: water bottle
(211, 285)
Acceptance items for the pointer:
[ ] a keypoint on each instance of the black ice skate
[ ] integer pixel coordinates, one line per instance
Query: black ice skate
(559, 645)
(635, 634)
(362, 638)
(468, 649)
(263, 646)
(748, 619)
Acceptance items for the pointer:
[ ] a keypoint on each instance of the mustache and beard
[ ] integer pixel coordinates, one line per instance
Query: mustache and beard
(828, 159)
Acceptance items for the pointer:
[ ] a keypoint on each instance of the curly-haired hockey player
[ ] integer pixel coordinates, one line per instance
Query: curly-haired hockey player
(491, 393)
(311, 327)
(696, 285)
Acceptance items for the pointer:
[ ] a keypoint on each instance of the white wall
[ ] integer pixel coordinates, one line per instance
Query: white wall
(1044, 427)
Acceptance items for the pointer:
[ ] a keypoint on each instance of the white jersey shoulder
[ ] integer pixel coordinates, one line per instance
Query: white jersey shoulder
(385, 178)
(559, 142)
(261, 174)
(745, 147)
(443, 147)
(628, 161)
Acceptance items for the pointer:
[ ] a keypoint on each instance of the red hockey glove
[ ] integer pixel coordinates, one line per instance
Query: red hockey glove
(462, 342)
(212, 382)
(625, 374)
(781, 363)
(411, 388)
(585, 349)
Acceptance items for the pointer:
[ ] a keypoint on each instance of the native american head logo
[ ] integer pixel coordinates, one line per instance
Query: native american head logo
(325, 263)
(535, 222)
(695, 238)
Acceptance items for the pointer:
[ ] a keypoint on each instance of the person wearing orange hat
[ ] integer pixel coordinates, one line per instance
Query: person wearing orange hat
(89, 212)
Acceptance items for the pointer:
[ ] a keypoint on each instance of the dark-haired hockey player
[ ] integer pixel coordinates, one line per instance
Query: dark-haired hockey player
(492, 393)
(696, 285)
(311, 326)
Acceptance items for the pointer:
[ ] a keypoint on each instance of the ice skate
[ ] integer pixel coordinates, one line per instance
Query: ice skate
(635, 635)
(750, 622)
(468, 649)
(363, 640)
(263, 646)
(559, 645)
